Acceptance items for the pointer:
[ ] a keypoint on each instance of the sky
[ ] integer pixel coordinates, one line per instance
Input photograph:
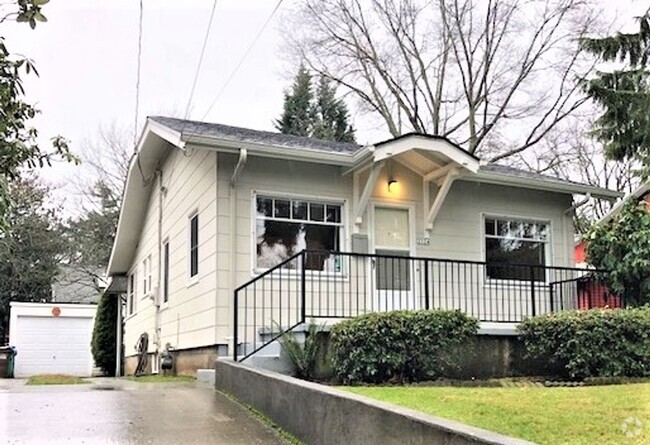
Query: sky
(86, 55)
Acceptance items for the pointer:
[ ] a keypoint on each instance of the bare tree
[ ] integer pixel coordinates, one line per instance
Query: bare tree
(573, 155)
(107, 158)
(495, 75)
(105, 164)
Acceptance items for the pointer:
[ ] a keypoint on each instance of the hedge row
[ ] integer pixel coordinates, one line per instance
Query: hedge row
(400, 346)
(594, 343)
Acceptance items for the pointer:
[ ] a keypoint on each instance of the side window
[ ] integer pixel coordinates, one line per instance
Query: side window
(194, 246)
(165, 272)
(130, 297)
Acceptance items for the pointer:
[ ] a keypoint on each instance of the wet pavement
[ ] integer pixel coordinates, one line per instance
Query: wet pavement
(110, 411)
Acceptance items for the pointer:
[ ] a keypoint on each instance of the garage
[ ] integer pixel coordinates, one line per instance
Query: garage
(52, 338)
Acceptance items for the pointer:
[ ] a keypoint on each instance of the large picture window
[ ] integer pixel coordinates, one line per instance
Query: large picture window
(512, 243)
(285, 227)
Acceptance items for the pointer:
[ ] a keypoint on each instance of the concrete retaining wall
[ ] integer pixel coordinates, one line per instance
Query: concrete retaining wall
(318, 414)
(483, 357)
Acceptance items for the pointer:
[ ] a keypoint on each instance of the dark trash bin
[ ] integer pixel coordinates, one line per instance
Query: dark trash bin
(7, 361)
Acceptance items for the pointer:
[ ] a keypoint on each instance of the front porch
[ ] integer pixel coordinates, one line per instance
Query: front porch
(327, 285)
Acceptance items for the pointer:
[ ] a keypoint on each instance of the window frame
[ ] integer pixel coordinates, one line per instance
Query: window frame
(192, 279)
(309, 199)
(147, 277)
(165, 272)
(548, 248)
(131, 287)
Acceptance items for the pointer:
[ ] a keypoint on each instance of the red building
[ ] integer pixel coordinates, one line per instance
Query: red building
(595, 295)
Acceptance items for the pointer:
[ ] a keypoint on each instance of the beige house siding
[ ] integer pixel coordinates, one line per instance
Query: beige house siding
(268, 176)
(201, 314)
(188, 319)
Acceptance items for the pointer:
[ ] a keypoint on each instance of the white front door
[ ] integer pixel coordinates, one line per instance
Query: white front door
(393, 275)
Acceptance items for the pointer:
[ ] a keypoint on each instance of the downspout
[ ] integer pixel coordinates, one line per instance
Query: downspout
(565, 215)
(232, 198)
(118, 339)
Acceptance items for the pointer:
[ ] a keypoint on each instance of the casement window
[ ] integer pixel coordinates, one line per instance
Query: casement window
(130, 294)
(166, 272)
(513, 245)
(285, 227)
(146, 276)
(194, 246)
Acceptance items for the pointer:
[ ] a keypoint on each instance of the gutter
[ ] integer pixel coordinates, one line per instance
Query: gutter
(275, 151)
(569, 188)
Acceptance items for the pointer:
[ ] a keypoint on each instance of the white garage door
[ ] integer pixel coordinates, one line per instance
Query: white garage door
(54, 345)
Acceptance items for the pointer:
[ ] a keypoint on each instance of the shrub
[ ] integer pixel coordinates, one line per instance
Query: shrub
(105, 334)
(399, 346)
(622, 247)
(302, 356)
(594, 343)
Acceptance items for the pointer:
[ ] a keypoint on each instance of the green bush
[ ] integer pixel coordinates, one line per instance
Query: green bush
(594, 343)
(302, 356)
(400, 346)
(105, 334)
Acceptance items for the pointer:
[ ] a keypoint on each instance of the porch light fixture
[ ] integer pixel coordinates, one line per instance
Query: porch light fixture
(392, 184)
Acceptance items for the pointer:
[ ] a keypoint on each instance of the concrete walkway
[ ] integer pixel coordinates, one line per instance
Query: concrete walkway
(110, 411)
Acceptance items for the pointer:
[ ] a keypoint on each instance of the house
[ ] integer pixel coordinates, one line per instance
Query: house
(600, 296)
(294, 229)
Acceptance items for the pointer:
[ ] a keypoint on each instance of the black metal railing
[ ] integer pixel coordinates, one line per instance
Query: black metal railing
(338, 285)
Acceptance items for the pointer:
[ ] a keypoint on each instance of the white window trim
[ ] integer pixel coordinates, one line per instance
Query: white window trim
(343, 236)
(147, 277)
(131, 297)
(192, 280)
(548, 254)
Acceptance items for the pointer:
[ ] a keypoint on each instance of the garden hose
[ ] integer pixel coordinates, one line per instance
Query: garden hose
(141, 347)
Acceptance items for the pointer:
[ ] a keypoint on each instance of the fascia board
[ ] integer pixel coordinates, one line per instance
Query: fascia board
(273, 151)
(495, 178)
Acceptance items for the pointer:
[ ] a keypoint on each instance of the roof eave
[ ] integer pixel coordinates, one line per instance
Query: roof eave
(274, 151)
(537, 184)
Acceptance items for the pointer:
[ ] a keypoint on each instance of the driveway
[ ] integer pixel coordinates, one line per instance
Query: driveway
(121, 412)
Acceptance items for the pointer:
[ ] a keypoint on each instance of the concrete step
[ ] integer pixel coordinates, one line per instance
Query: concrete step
(205, 376)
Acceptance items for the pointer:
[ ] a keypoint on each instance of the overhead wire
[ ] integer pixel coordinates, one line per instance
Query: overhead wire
(240, 63)
(198, 67)
(137, 79)
(137, 97)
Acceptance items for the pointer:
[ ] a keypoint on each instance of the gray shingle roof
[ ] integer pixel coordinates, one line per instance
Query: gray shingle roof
(516, 172)
(238, 134)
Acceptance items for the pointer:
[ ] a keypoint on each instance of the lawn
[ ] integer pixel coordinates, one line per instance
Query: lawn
(55, 379)
(159, 378)
(578, 416)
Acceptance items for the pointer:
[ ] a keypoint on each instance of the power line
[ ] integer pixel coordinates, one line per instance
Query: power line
(137, 81)
(198, 67)
(243, 58)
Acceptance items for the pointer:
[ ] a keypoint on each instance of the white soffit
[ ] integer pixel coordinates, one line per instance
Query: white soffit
(438, 148)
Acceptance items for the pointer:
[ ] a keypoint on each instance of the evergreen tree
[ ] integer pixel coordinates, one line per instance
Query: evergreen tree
(30, 251)
(105, 334)
(321, 116)
(331, 115)
(297, 117)
(624, 94)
